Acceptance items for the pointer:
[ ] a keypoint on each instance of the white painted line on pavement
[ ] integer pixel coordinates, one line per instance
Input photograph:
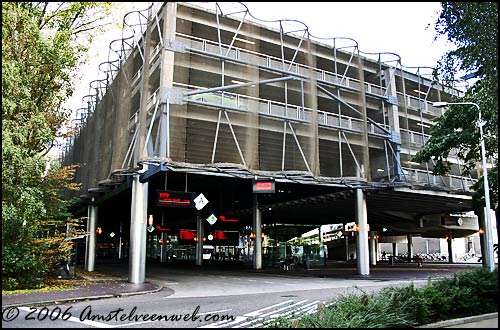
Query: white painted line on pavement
(214, 312)
(258, 312)
(283, 308)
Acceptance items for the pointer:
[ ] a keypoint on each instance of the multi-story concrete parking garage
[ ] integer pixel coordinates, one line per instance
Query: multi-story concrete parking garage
(300, 145)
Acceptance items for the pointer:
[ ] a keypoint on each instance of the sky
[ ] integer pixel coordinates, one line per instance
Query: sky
(404, 28)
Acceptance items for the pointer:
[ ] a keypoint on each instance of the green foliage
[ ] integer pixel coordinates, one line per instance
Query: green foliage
(409, 302)
(468, 293)
(473, 28)
(43, 43)
(471, 292)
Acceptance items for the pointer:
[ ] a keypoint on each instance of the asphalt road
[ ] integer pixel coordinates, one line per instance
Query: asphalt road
(227, 297)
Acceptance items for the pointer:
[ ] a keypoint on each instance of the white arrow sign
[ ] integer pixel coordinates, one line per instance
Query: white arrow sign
(200, 202)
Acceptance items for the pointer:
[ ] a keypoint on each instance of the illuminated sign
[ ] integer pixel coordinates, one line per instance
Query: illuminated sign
(175, 199)
(226, 237)
(187, 236)
(263, 186)
(224, 219)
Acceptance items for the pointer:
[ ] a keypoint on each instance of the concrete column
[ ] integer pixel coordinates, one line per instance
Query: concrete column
(393, 116)
(451, 254)
(199, 245)
(409, 237)
(91, 238)
(138, 233)
(346, 248)
(372, 242)
(120, 241)
(167, 77)
(257, 222)
(395, 251)
(362, 237)
(163, 251)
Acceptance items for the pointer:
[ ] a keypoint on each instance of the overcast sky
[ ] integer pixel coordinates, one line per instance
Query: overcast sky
(404, 28)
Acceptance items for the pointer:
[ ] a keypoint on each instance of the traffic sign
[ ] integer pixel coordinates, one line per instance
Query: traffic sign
(212, 219)
(200, 202)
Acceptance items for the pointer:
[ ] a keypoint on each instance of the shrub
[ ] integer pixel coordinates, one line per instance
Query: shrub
(471, 292)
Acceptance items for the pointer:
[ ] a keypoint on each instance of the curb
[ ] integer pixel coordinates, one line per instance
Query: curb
(469, 319)
(77, 299)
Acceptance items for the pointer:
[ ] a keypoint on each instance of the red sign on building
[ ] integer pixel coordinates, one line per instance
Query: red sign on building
(170, 198)
(263, 186)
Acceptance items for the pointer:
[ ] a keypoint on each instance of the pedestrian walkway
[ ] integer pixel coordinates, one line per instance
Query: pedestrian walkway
(115, 284)
(84, 288)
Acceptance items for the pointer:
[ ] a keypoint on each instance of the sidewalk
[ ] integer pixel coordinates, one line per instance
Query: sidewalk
(100, 287)
(86, 288)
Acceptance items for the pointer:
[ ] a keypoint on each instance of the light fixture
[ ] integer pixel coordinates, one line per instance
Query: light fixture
(244, 40)
(419, 92)
(237, 82)
(439, 104)
(409, 162)
(380, 170)
(423, 125)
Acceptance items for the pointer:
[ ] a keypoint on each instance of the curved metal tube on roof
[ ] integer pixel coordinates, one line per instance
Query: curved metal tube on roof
(334, 39)
(458, 84)
(396, 58)
(109, 63)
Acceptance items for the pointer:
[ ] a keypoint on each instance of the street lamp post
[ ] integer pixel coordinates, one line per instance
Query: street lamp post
(490, 260)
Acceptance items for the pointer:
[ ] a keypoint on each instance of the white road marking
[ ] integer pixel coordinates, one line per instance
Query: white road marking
(257, 318)
(214, 312)
(258, 312)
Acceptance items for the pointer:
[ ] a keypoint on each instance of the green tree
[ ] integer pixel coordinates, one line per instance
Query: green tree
(473, 28)
(43, 44)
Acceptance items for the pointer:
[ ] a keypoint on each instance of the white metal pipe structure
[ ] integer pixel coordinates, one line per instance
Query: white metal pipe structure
(257, 248)
(138, 234)
(362, 238)
(488, 231)
(199, 244)
(91, 237)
